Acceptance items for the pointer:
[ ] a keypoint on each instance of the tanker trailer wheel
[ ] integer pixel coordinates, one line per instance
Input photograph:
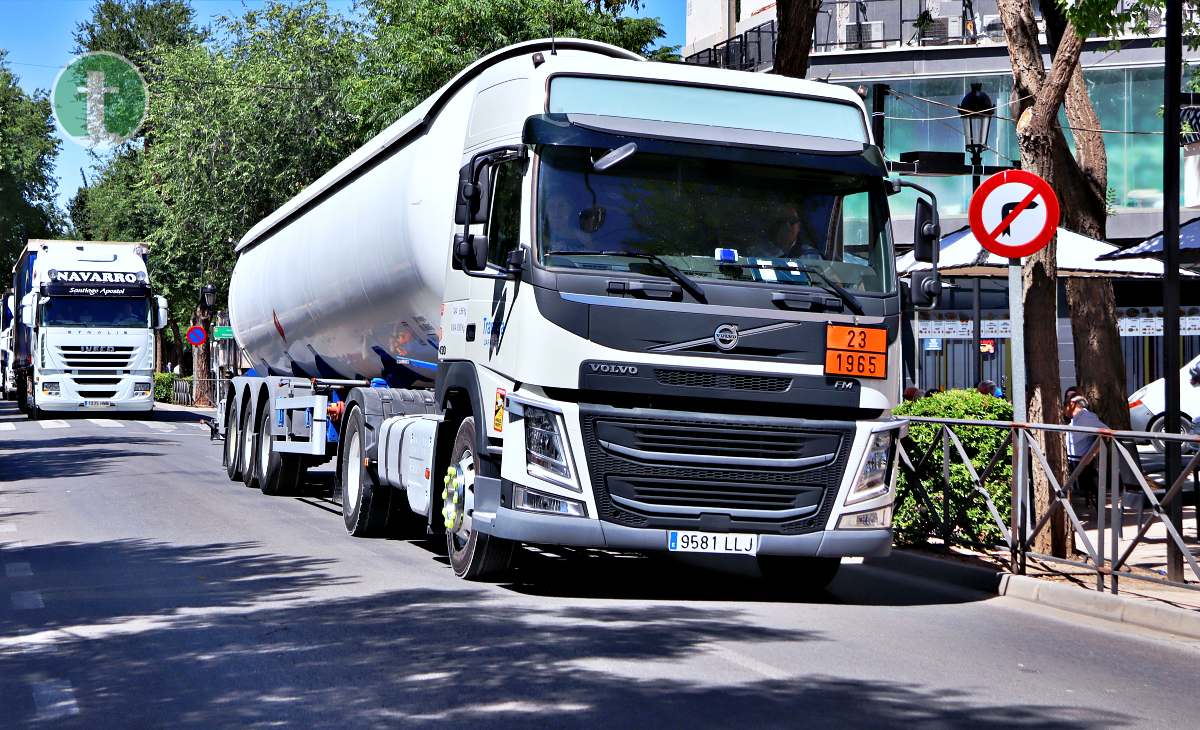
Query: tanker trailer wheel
(365, 503)
(22, 394)
(798, 574)
(278, 474)
(233, 442)
(473, 555)
(246, 449)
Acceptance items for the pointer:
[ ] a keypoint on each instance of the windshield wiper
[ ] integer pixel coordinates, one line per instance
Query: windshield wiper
(673, 273)
(831, 286)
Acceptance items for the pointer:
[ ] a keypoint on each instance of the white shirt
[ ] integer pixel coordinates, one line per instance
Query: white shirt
(1079, 443)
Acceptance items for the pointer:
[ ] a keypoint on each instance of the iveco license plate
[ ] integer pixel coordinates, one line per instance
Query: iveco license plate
(97, 404)
(679, 541)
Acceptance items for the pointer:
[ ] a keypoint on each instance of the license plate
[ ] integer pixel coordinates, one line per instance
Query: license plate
(97, 404)
(679, 541)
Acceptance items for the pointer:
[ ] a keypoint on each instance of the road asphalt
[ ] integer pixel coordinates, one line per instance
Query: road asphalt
(141, 588)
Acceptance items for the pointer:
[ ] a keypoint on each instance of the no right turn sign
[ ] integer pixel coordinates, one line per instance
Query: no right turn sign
(1013, 213)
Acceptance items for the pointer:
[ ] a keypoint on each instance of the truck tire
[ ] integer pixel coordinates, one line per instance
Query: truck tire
(246, 449)
(473, 555)
(233, 442)
(278, 474)
(799, 574)
(22, 394)
(365, 503)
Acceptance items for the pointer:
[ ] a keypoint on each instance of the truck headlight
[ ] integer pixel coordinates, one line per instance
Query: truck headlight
(546, 455)
(874, 476)
(50, 388)
(141, 388)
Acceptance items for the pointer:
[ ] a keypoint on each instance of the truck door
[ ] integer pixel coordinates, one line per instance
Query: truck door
(494, 298)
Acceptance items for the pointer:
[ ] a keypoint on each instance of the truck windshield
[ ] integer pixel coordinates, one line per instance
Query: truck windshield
(713, 219)
(95, 312)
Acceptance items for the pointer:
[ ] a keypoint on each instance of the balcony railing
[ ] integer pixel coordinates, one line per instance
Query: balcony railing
(850, 25)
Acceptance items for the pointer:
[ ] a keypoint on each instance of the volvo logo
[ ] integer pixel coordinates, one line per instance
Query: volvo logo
(726, 337)
(609, 369)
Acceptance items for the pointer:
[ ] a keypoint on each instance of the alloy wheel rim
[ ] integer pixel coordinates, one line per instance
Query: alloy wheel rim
(353, 473)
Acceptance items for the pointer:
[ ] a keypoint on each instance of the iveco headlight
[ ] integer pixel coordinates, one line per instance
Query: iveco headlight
(50, 388)
(874, 476)
(545, 450)
(141, 388)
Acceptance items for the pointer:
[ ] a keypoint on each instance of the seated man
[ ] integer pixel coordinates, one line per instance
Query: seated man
(1079, 443)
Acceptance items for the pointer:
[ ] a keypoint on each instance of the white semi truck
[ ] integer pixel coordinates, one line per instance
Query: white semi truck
(83, 333)
(578, 298)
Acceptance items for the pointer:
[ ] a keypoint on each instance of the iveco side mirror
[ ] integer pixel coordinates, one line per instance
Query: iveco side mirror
(160, 318)
(925, 287)
(926, 232)
(28, 303)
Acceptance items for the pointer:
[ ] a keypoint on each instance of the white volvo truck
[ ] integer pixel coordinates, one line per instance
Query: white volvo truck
(83, 336)
(578, 298)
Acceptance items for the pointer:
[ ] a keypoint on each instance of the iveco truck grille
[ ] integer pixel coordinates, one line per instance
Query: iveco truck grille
(728, 381)
(83, 359)
(678, 473)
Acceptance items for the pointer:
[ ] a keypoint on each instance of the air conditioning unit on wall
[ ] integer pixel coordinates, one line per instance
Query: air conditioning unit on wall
(869, 32)
(942, 31)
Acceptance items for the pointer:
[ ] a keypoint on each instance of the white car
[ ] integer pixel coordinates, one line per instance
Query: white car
(1148, 405)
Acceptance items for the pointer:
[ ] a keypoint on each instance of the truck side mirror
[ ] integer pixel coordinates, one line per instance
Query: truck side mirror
(470, 252)
(926, 233)
(925, 288)
(162, 313)
(28, 303)
(473, 194)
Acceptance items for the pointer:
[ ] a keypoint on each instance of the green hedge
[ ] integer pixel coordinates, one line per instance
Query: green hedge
(164, 383)
(913, 520)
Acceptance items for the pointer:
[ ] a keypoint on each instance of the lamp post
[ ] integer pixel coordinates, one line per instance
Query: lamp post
(976, 110)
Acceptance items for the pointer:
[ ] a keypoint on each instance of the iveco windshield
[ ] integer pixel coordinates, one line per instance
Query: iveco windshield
(95, 312)
(713, 219)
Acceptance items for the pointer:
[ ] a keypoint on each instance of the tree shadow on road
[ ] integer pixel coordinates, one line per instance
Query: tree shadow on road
(458, 658)
(73, 456)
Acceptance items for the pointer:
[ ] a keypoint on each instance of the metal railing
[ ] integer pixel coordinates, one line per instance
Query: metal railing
(1123, 487)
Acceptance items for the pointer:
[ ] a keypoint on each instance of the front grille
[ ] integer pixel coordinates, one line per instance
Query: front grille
(84, 380)
(97, 393)
(76, 358)
(727, 381)
(679, 473)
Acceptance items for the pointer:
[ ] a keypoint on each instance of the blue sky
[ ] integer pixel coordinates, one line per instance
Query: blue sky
(37, 36)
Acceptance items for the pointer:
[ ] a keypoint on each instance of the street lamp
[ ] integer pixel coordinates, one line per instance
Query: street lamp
(208, 297)
(976, 110)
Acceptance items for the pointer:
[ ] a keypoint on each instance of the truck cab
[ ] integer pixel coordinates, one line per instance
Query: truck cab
(90, 318)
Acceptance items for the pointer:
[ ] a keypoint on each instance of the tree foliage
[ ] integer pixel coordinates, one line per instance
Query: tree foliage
(416, 46)
(27, 152)
(137, 29)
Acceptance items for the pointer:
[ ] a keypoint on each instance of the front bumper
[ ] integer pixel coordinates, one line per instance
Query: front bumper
(60, 405)
(492, 517)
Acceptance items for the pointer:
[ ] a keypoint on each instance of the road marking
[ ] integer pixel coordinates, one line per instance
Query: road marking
(747, 662)
(54, 424)
(8, 528)
(156, 426)
(18, 570)
(55, 699)
(6, 426)
(106, 423)
(201, 426)
(24, 600)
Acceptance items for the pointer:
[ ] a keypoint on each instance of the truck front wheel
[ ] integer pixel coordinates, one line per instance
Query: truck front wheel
(798, 574)
(278, 474)
(473, 555)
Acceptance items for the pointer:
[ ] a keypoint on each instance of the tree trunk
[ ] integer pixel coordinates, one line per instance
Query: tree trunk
(797, 20)
(201, 374)
(1039, 94)
(1100, 375)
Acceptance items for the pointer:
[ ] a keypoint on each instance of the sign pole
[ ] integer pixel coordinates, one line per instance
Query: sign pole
(1016, 341)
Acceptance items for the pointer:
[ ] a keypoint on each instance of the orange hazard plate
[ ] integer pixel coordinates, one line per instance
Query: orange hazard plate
(857, 351)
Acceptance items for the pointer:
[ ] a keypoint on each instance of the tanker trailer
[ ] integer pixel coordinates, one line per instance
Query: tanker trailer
(578, 298)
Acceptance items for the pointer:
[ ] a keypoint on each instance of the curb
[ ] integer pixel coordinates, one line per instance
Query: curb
(1119, 609)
